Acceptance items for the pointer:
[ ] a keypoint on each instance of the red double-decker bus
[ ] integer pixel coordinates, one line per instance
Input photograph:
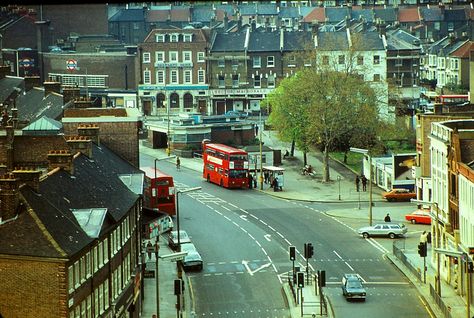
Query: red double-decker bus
(159, 191)
(225, 165)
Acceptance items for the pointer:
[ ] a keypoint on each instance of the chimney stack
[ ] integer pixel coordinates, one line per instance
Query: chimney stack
(9, 198)
(71, 93)
(51, 87)
(29, 176)
(81, 144)
(89, 130)
(60, 159)
(4, 71)
(32, 81)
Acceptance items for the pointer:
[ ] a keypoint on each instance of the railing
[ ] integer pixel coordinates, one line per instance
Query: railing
(439, 301)
(398, 252)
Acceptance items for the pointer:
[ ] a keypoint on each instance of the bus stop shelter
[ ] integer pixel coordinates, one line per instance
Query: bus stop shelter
(277, 174)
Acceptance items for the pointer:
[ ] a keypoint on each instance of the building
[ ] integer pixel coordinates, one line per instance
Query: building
(73, 228)
(174, 72)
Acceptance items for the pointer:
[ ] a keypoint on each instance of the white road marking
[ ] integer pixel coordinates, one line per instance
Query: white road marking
(243, 217)
(267, 237)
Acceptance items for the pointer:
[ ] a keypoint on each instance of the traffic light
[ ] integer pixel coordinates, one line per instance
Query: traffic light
(292, 253)
(178, 286)
(322, 278)
(308, 250)
(422, 250)
(300, 279)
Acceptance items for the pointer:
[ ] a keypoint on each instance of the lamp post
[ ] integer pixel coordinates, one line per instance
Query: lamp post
(339, 184)
(178, 263)
(365, 152)
(261, 156)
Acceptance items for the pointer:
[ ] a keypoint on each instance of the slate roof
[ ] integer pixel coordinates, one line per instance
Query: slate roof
(7, 86)
(202, 14)
(407, 15)
(264, 41)
(366, 14)
(289, 12)
(386, 14)
(315, 14)
(456, 15)
(296, 40)
(32, 105)
(333, 41)
(402, 40)
(335, 15)
(228, 42)
(128, 15)
(432, 14)
(257, 8)
(371, 41)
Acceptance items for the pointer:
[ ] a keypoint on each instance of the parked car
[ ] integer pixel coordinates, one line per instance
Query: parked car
(236, 113)
(420, 216)
(352, 287)
(173, 239)
(193, 259)
(399, 194)
(391, 230)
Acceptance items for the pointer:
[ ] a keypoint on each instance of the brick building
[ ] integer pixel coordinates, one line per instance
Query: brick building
(73, 233)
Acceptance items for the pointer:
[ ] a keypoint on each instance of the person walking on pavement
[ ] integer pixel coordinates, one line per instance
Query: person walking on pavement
(424, 237)
(178, 164)
(357, 182)
(364, 183)
(148, 249)
(250, 181)
(387, 218)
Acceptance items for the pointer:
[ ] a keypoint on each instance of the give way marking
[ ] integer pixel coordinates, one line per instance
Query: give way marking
(246, 264)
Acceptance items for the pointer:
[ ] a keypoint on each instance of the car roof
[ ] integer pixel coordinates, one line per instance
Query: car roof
(188, 247)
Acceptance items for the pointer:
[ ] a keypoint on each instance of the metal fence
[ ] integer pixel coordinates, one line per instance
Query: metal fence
(398, 252)
(446, 310)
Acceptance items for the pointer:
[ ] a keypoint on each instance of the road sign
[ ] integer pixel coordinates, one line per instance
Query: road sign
(71, 64)
(174, 256)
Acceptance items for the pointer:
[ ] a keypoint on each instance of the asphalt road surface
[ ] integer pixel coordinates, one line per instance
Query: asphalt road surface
(244, 237)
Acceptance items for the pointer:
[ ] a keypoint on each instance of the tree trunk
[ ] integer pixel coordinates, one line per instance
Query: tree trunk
(345, 157)
(292, 151)
(305, 158)
(326, 176)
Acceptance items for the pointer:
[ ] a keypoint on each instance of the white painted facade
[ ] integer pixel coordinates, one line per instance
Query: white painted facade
(466, 211)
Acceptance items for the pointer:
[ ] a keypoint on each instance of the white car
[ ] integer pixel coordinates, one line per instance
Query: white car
(391, 230)
(173, 238)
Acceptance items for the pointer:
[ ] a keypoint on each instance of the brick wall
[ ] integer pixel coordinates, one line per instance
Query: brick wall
(32, 288)
(236, 137)
(95, 112)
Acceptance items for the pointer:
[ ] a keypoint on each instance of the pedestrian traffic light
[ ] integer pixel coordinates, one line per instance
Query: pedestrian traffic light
(292, 253)
(322, 278)
(308, 250)
(422, 250)
(178, 286)
(300, 279)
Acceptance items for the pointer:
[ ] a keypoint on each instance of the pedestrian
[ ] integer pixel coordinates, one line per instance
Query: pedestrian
(275, 185)
(387, 218)
(424, 237)
(148, 249)
(265, 174)
(357, 181)
(364, 183)
(250, 180)
(178, 163)
(255, 181)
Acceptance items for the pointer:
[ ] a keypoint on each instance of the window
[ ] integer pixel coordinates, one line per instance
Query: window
(271, 81)
(341, 59)
(270, 61)
(221, 81)
(187, 56)
(146, 57)
(325, 60)
(360, 60)
(70, 275)
(187, 76)
(187, 38)
(76, 274)
(201, 76)
(160, 56)
(221, 62)
(256, 81)
(146, 77)
(160, 38)
(88, 264)
(376, 59)
(174, 37)
(235, 80)
(173, 56)
(200, 56)
(235, 65)
(106, 294)
(257, 61)
(174, 77)
(106, 250)
(160, 77)
(101, 254)
(136, 25)
(376, 77)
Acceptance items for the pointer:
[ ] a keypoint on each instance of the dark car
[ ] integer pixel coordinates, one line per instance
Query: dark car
(352, 287)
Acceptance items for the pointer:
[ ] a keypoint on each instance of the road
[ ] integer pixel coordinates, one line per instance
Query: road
(244, 237)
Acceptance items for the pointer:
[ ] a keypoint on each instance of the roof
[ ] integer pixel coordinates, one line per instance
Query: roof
(464, 50)
(372, 41)
(202, 14)
(333, 41)
(128, 15)
(181, 14)
(43, 125)
(33, 105)
(264, 41)
(456, 15)
(431, 14)
(289, 12)
(258, 8)
(228, 42)
(317, 14)
(296, 40)
(407, 15)
(366, 14)
(402, 40)
(8, 85)
(156, 15)
(225, 148)
(386, 14)
(335, 15)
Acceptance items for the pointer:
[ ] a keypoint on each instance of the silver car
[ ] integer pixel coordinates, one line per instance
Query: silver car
(193, 259)
(391, 230)
(173, 238)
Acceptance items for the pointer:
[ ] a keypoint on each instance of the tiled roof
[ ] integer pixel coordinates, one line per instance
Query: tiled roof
(432, 14)
(464, 51)
(317, 14)
(264, 41)
(180, 14)
(156, 15)
(228, 42)
(407, 15)
(386, 14)
(335, 15)
(8, 85)
(128, 15)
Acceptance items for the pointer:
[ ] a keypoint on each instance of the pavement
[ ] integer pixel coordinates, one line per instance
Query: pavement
(300, 187)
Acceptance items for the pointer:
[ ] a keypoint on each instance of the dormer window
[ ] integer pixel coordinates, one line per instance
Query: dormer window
(187, 38)
(174, 38)
(160, 38)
